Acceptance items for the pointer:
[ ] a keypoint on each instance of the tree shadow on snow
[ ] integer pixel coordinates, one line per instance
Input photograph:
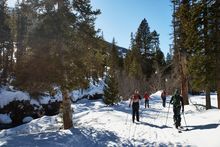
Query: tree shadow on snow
(76, 137)
(155, 126)
(202, 127)
(94, 138)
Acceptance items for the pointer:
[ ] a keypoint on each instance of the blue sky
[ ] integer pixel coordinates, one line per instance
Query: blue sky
(121, 17)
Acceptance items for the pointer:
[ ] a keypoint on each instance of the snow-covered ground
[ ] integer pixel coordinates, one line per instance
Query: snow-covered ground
(97, 125)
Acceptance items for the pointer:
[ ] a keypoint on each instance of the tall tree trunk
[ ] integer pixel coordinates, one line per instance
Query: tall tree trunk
(218, 93)
(67, 113)
(208, 99)
(184, 78)
(206, 48)
(184, 87)
(217, 45)
(5, 66)
(181, 56)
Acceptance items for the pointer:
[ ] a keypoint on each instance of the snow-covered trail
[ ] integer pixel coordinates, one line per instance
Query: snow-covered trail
(152, 130)
(96, 125)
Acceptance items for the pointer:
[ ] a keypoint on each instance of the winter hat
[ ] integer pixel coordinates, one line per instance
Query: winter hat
(177, 92)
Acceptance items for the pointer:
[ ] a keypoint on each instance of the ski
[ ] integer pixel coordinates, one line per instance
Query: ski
(179, 130)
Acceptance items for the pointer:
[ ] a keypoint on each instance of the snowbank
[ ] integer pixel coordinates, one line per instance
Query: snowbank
(5, 119)
(8, 96)
(27, 119)
(94, 88)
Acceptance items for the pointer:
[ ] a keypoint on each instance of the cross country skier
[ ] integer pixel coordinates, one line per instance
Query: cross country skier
(177, 102)
(163, 97)
(135, 105)
(146, 97)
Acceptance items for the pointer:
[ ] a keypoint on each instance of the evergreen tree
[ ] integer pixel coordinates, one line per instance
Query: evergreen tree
(155, 41)
(202, 48)
(111, 90)
(143, 44)
(180, 17)
(168, 58)
(216, 9)
(22, 22)
(195, 40)
(6, 44)
(159, 58)
(114, 57)
(58, 45)
(143, 38)
(133, 61)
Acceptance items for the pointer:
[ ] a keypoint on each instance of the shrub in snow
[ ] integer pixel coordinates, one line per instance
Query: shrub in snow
(95, 96)
(27, 119)
(18, 110)
(52, 108)
(5, 119)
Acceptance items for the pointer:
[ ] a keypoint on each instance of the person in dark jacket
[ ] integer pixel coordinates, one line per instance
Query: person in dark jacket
(177, 101)
(135, 105)
(163, 97)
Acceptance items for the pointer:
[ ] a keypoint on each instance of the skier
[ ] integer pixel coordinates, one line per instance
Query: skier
(146, 97)
(163, 97)
(177, 101)
(135, 105)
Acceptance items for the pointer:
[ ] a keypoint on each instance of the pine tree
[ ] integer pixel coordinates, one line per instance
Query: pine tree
(202, 48)
(143, 38)
(216, 8)
(168, 58)
(58, 46)
(111, 96)
(6, 44)
(114, 56)
(133, 61)
(180, 18)
(155, 41)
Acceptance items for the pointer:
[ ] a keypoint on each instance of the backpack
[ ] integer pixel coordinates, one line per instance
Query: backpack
(176, 100)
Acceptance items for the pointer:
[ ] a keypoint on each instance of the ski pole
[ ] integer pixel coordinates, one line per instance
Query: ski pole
(185, 121)
(126, 119)
(167, 114)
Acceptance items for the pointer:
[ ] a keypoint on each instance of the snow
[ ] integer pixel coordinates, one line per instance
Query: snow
(5, 119)
(93, 88)
(97, 125)
(7, 96)
(27, 119)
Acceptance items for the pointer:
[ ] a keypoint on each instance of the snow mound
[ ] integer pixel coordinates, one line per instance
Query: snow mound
(8, 96)
(27, 119)
(5, 119)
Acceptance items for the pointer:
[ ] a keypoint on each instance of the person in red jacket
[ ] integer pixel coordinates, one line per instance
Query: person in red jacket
(135, 105)
(146, 97)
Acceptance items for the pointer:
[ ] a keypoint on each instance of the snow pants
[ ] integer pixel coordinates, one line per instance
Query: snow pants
(135, 111)
(164, 101)
(147, 103)
(177, 116)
